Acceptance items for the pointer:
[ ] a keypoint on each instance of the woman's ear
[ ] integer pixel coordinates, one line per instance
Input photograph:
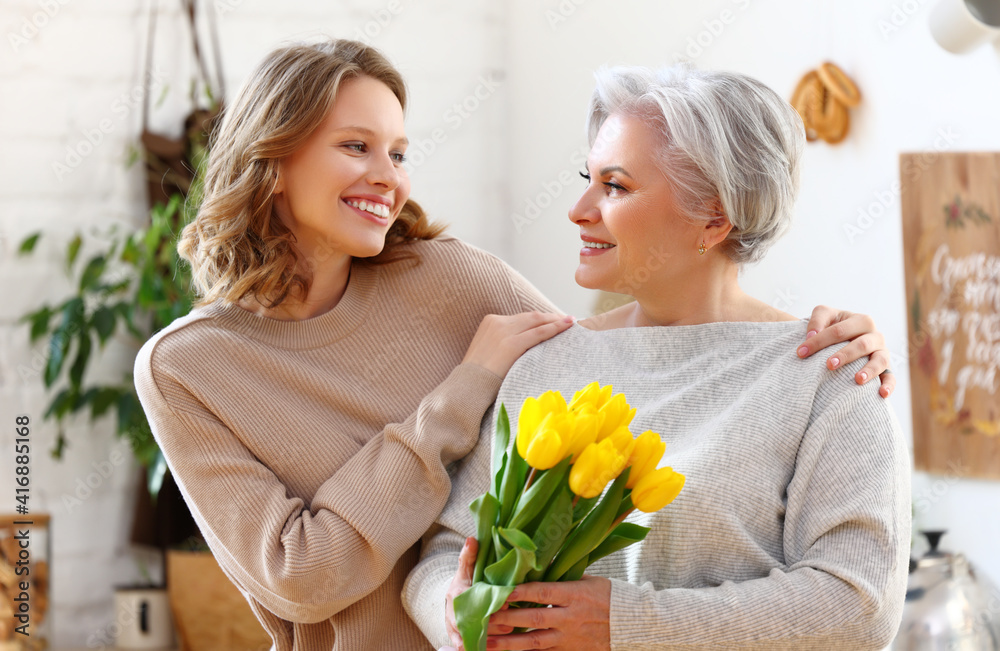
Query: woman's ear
(279, 180)
(717, 228)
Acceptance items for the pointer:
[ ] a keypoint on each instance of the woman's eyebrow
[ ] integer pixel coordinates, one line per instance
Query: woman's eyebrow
(371, 134)
(614, 168)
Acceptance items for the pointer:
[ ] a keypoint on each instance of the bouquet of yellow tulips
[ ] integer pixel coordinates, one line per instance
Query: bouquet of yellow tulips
(544, 518)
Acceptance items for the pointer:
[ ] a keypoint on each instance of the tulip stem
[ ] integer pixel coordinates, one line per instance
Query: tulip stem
(576, 498)
(531, 478)
(620, 519)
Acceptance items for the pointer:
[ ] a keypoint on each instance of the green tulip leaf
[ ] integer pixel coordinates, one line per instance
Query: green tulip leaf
(575, 573)
(473, 609)
(500, 442)
(622, 536)
(515, 472)
(583, 507)
(588, 534)
(552, 531)
(626, 504)
(485, 510)
(516, 563)
(534, 499)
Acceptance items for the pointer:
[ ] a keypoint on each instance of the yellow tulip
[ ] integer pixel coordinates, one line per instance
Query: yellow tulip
(622, 439)
(586, 423)
(657, 489)
(534, 411)
(545, 449)
(593, 394)
(617, 413)
(645, 456)
(598, 464)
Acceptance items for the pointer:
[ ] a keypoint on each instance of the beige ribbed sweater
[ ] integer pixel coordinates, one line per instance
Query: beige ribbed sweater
(313, 453)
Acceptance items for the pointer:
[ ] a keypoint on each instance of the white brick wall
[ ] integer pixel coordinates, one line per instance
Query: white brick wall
(81, 71)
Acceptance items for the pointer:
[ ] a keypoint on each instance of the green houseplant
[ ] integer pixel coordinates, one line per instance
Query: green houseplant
(135, 283)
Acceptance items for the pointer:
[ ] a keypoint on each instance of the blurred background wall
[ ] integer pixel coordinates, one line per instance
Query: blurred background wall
(498, 99)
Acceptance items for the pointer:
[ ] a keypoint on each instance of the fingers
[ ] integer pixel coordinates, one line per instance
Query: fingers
(854, 325)
(869, 344)
(524, 641)
(888, 379)
(541, 332)
(821, 317)
(500, 340)
(878, 365)
(534, 618)
(498, 629)
(554, 594)
(467, 560)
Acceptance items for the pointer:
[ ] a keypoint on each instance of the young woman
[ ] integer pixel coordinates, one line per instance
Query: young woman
(342, 354)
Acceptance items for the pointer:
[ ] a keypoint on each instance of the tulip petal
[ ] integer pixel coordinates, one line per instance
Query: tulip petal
(657, 489)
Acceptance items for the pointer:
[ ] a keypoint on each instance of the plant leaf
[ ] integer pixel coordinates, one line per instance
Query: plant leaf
(58, 348)
(104, 323)
(515, 472)
(73, 250)
(92, 273)
(485, 510)
(82, 357)
(533, 500)
(59, 405)
(473, 609)
(155, 474)
(512, 568)
(575, 573)
(28, 243)
(500, 442)
(591, 532)
(583, 507)
(625, 534)
(102, 400)
(40, 322)
(552, 531)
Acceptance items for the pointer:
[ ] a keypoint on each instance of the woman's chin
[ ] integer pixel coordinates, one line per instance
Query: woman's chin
(588, 280)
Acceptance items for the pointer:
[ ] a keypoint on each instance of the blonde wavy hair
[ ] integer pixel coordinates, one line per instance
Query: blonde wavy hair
(237, 245)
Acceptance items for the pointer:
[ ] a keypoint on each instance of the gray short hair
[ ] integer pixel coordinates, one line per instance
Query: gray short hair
(725, 135)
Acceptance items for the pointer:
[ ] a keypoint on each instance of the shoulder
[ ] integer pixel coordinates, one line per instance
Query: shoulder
(185, 339)
(453, 255)
(466, 273)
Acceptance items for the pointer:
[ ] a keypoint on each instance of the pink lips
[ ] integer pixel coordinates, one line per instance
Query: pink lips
(587, 251)
(381, 221)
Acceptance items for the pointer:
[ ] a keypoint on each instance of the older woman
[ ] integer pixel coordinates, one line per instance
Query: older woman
(792, 530)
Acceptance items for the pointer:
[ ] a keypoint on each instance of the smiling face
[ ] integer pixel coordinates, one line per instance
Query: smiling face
(345, 185)
(634, 238)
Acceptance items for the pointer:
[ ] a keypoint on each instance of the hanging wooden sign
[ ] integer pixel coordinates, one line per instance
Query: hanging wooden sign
(951, 241)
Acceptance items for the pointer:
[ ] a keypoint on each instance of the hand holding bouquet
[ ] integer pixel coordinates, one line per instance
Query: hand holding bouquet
(544, 518)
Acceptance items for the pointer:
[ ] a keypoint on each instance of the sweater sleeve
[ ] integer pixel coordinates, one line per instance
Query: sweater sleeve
(307, 562)
(427, 585)
(846, 536)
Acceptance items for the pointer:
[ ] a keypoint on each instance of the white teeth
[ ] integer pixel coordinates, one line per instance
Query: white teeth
(377, 209)
(597, 245)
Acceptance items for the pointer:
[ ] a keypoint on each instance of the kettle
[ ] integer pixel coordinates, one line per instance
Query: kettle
(948, 605)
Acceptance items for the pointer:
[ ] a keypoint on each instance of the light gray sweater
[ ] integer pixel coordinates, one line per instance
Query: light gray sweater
(793, 528)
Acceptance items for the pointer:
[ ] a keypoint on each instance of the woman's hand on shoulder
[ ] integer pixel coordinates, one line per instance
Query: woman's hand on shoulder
(828, 326)
(500, 339)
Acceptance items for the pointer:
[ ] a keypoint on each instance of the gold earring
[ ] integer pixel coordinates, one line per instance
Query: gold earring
(701, 249)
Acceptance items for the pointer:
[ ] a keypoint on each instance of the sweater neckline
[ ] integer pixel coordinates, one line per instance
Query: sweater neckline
(324, 329)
